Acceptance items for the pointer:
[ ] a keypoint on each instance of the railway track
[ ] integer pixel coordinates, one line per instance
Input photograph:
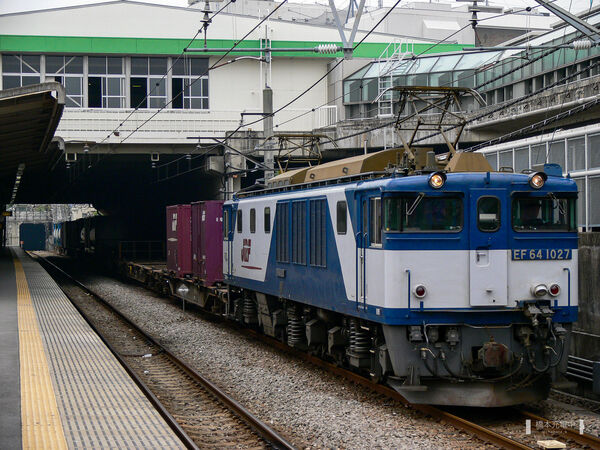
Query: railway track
(199, 412)
(458, 420)
(501, 431)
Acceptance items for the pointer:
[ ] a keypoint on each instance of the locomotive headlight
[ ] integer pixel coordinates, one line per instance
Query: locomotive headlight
(539, 290)
(420, 291)
(554, 290)
(437, 180)
(537, 179)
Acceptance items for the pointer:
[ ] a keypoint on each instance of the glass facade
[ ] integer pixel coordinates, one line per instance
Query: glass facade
(577, 154)
(499, 76)
(115, 81)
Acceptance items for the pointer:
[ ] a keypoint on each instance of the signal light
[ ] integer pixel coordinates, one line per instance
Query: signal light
(420, 291)
(437, 180)
(540, 290)
(537, 179)
(554, 290)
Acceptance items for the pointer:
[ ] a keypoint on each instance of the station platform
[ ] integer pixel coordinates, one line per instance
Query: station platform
(61, 386)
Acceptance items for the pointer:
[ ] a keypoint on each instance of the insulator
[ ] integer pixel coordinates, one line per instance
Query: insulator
(249, 311)
(327, 48)
(582, 44)
(295, 329)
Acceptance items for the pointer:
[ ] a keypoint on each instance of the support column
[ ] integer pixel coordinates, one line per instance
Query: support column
(268, 155)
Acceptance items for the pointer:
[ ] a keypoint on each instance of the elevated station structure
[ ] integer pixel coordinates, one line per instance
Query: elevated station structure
(144, 121)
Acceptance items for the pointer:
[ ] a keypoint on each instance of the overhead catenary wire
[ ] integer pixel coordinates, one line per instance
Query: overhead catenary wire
(417, 56)
(138, 106)
(231, 49)
(312, 85)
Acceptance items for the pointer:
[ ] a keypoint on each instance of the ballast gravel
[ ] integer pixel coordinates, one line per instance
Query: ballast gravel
(309, 406)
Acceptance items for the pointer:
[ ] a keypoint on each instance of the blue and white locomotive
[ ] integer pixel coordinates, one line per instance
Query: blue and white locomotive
(455, 287)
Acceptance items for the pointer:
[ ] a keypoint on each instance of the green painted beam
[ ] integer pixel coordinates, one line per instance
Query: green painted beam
(151, 46)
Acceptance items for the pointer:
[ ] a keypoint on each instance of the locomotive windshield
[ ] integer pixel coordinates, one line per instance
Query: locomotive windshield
(550, 213)
(417, 213)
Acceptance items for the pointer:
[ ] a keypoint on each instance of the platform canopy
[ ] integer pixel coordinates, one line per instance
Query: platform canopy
(29, 116)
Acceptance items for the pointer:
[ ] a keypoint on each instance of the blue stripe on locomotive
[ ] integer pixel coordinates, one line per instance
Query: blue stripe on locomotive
(461, 184)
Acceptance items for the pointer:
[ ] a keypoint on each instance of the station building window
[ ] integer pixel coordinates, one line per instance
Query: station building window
(190, 83)
(20, 70)
(68, 71)
(106, 82)
(538, 156)
(148, 83)
(576, 153)
(556, 153)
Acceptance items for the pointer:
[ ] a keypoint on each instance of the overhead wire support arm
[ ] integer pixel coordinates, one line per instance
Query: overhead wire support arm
(348, 44)
(323, 49)
(580, 25)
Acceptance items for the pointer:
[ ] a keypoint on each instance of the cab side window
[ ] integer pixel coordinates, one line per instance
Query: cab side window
(488, 214)
(375, 221)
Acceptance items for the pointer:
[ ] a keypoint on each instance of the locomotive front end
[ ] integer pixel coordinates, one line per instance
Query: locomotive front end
(484, 267)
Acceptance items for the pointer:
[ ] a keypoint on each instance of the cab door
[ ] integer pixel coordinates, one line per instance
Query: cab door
(362, 239)
(227, 240)
(488, 251)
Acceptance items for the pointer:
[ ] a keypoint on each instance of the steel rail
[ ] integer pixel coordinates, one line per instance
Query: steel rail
(266, 432)
(459, 423)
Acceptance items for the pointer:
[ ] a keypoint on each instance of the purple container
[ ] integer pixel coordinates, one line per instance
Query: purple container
(207, 241)
(179, 240)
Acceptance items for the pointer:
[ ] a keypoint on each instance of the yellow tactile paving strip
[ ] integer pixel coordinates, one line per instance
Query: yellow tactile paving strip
(100, 406)
(41, 424)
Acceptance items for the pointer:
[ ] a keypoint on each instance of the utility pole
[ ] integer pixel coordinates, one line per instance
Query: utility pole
(268, 110)
(268, 131)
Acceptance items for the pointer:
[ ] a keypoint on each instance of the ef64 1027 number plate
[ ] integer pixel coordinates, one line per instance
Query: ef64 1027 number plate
(533, 254)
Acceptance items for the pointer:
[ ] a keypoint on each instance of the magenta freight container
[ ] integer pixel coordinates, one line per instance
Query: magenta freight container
(207, 241)
(179, 239)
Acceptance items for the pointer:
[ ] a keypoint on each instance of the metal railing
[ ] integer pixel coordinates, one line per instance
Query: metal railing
(175, 125)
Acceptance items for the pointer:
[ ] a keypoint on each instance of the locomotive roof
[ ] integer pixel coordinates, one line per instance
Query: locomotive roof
(396, 182)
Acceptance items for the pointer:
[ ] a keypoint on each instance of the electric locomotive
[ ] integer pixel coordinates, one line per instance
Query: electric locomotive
(452, 283)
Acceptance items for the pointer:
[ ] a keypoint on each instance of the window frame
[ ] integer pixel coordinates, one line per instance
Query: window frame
(21, 74)
(375, 204)
(499, 213)
(456, 195)
(337, 218)
(239, 221)
(252, 220)
(267, 219)
(571, 196)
